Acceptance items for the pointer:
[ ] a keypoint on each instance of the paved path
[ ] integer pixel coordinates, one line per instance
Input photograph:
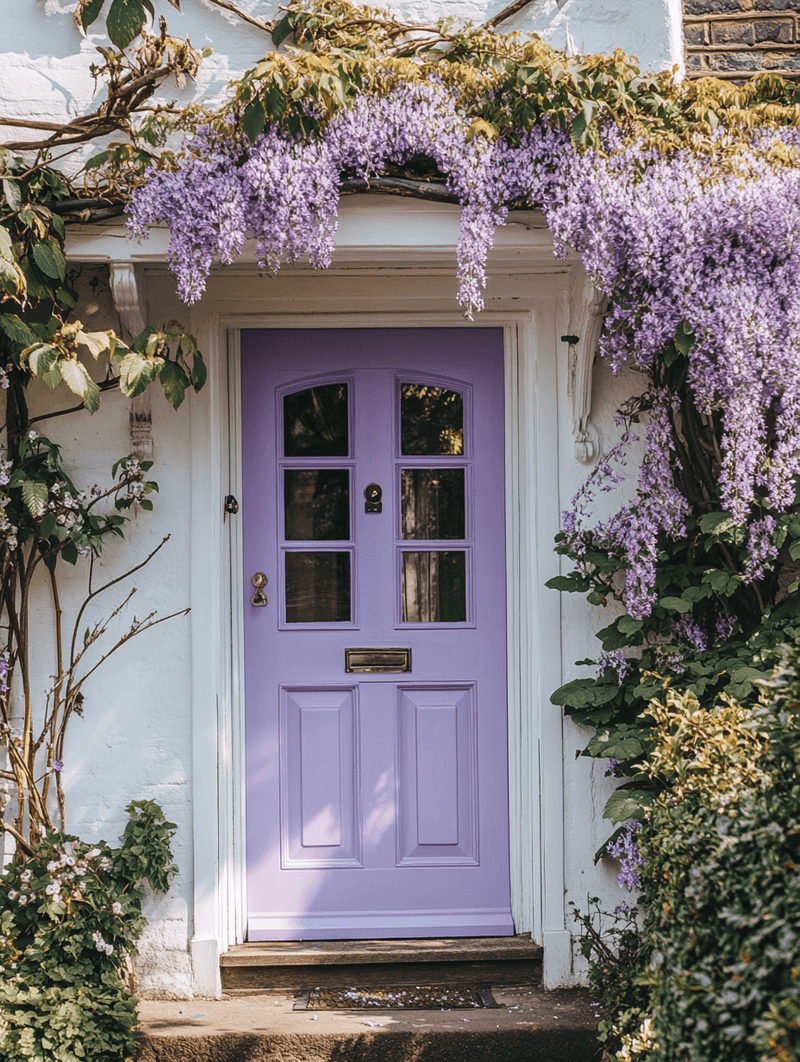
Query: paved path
(533, 1026)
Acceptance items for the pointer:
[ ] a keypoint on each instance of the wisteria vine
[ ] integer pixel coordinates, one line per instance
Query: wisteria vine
(704, 245)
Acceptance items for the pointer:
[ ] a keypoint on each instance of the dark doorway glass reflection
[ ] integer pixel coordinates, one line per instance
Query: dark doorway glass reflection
(433, 502)
(434, 587)
(315, 422)
(431, 420)
(317, 587)
(316, 503)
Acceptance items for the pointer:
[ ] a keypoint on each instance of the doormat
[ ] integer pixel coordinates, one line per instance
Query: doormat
(419, 997)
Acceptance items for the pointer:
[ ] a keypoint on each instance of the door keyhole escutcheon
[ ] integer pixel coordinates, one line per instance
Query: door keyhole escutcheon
(373, 495)
(259, 581)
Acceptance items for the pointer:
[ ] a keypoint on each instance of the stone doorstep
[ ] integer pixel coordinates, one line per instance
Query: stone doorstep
(266, 966)
(532, 1026)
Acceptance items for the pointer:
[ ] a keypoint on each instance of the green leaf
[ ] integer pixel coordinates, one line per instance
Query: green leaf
(48, 525)
(124, 21)
(12, 193)
(16, 330)
(80, 383)
(34, 495)
(96, 160)
(137, 371)
(6, 244)
(70, 553)
(49, 257)
(175, 382)
(714, 523)
(254, 118)
(628, 803)
(282, 31)
(629, 625)
(618, 744)
(89, 10)
(675, 604)
(199, 372)
(684, 337)
(566, 583)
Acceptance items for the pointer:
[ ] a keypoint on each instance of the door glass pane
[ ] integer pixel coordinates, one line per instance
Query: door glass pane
(315, 422)
(316, 503)
(434, 587)
(317, 587)
(433, 502)
(431, 420)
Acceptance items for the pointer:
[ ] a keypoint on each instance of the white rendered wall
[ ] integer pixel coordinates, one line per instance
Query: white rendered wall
(45, 70)
(136, 739)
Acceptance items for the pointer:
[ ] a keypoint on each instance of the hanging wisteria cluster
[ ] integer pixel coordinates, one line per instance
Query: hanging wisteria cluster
(705, 245)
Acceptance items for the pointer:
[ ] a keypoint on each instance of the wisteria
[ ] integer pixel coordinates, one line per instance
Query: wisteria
(704, 244)
(626, 849)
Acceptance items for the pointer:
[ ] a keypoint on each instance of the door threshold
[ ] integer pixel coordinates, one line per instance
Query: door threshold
(341, 952)
(265, 966)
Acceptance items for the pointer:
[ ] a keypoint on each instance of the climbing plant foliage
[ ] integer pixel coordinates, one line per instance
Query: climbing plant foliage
(683, 202)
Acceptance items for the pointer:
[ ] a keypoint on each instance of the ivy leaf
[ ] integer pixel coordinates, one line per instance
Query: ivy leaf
(125, 20)
(49, 257)
(34, 495)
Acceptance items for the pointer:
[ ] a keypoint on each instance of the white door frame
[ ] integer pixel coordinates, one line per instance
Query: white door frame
(534, 668)
(412, 244)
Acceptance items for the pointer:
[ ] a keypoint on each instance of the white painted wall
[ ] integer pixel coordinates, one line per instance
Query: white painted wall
(140, 737)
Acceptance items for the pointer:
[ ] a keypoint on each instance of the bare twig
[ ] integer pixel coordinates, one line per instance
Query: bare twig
(507, 12)
(268, 27)
(399, 186)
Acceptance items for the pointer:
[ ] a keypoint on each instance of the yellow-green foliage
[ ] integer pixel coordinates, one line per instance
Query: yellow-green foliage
(334, 51)
(721, 879)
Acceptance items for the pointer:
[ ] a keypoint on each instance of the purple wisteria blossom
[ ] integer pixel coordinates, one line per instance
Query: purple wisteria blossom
(711, 251)
(613, 661)
(626, 850)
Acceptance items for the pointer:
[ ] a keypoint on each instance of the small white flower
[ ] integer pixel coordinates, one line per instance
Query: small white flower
(94, 852)
(105, 863)
(117, 908)
(33, 434)
(109, 948)
(12, 894)
(53, 889)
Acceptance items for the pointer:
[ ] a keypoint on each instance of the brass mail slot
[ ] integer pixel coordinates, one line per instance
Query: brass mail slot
(362, 660)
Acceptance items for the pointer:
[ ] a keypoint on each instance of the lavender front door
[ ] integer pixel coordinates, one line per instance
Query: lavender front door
(376, 671)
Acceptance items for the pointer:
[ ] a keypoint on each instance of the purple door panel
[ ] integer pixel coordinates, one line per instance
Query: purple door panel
(377, 794)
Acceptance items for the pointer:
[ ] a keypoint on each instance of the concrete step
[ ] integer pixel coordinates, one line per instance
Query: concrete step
(267, 966)
(531, 1026)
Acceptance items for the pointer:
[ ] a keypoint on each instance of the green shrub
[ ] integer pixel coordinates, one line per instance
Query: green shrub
(70, 917)
(720, 887)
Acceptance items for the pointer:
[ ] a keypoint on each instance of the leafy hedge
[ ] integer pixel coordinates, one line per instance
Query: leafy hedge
(70, 917)
(720, 886)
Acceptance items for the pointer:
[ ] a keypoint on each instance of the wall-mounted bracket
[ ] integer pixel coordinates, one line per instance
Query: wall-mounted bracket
(127, 300)
(587, 308)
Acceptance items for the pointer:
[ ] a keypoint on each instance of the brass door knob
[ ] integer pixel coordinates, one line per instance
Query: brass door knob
(259, 581)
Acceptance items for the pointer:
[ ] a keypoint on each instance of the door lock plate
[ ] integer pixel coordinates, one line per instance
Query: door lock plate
(361, 661)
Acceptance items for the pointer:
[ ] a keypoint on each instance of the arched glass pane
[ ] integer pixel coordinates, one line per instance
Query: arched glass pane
(431, 420)
(315, 422)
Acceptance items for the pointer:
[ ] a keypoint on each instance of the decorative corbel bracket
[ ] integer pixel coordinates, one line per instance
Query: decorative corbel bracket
(127, 300)
(587, 307)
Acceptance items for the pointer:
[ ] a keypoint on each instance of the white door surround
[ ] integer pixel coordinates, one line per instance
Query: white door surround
(394, 268)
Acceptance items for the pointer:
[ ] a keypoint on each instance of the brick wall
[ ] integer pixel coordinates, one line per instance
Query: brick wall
(734, 39)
